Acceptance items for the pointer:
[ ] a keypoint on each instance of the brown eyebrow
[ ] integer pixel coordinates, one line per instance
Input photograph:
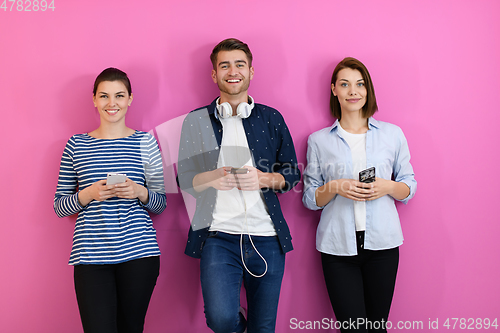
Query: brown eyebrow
(105, 93)
(348, 80)
(227, 62)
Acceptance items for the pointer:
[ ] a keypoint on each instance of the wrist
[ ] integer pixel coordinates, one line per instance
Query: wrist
(393, 186)
(143, 195)
(333, 187)
(209, 178)
(83, 197)
(203, 180)
(274, 181)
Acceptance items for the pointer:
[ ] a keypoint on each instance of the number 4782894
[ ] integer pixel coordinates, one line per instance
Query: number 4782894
(27, 5)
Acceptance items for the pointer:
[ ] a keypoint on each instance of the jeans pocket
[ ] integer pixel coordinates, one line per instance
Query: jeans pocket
(212, 234)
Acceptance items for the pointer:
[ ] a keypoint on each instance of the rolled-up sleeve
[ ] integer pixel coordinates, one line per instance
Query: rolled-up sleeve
(402, 170)
(286, 158)
(313, 177)
(197, 146)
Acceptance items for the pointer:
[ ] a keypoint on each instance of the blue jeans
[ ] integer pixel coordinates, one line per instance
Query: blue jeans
(222, 273)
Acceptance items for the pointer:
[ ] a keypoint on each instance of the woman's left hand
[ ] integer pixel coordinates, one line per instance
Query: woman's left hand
(381, 187)
(132, 190)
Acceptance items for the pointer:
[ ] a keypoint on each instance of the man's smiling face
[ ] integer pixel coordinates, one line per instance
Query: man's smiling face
(232, 73)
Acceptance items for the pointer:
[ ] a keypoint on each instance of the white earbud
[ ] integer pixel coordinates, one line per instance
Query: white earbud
(243, 110)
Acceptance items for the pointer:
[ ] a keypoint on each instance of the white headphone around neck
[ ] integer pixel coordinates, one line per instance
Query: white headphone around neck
(243, 110)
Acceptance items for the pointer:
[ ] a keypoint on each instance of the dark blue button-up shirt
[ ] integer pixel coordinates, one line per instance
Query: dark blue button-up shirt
(273, 151)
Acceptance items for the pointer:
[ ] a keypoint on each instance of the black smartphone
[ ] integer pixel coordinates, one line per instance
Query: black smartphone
(367, 175)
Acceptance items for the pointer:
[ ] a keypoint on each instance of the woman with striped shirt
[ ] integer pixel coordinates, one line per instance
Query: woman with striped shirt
(115, 253)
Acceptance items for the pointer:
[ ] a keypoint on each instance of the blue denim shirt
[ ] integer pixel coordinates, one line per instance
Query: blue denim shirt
(329, 158)
(272, 149)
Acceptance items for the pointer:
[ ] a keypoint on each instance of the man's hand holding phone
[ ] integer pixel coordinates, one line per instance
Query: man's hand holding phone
(247, 178)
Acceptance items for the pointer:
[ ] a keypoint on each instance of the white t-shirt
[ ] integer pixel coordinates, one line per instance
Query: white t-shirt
(357, 144)
(236, 211)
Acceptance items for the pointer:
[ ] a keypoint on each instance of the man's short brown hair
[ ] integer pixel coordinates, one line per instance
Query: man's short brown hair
(230, 44)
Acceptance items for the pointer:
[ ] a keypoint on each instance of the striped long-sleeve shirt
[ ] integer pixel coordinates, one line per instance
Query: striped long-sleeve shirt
(114, 230)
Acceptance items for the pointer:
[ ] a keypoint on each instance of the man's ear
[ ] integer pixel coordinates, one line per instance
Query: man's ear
(214, 75)
(251, 72)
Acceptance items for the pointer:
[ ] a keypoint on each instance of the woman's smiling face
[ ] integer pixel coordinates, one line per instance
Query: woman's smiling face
(112, 101)
(350, 90)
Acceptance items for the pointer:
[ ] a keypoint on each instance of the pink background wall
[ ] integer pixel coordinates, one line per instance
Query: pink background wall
(435, 67)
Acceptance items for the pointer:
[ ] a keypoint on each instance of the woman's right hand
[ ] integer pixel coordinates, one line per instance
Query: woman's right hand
(352, 189)
(98, 191)
(348, 188)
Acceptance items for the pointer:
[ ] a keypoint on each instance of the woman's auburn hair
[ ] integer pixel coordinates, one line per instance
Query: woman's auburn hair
(370, 106)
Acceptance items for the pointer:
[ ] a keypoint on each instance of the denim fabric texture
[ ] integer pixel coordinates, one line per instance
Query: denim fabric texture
(222, 274)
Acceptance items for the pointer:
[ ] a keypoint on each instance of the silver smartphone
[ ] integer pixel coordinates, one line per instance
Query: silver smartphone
(115, 178)
(239, 170)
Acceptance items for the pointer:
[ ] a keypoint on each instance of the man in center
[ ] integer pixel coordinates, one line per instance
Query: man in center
(235, 155)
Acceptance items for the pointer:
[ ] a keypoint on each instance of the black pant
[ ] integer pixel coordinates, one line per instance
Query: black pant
(361, 287)
(114, 298)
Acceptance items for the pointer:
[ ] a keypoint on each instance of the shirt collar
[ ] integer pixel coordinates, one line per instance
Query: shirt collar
(212, 108)
(372, 123)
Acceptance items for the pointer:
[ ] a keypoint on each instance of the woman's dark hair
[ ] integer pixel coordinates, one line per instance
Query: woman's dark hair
(230, 44)
(113, 74)
(370, 106)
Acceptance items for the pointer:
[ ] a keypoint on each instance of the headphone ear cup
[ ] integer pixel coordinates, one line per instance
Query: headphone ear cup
(225, 110)
(243, 110)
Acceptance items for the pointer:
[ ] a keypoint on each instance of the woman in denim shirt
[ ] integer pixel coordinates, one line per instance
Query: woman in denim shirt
(359, 231)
